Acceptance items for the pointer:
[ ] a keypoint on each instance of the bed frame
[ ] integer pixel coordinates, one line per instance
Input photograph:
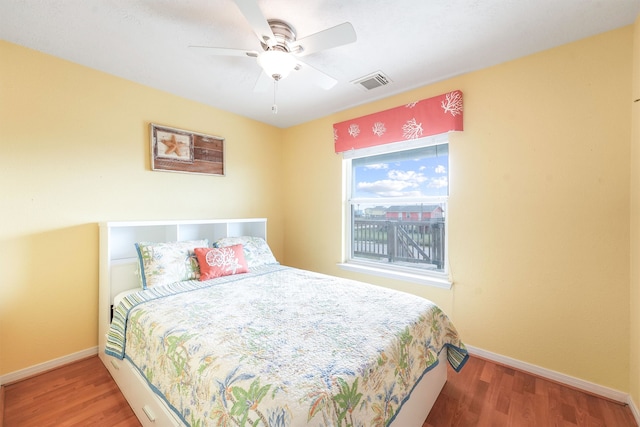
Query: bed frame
(118, 273)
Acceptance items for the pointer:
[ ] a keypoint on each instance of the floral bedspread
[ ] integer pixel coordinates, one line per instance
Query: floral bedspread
(287, 348)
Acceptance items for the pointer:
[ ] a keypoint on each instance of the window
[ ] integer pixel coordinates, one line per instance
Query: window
(396, 210)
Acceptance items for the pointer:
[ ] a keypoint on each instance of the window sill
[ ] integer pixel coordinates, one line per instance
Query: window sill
(409, 276)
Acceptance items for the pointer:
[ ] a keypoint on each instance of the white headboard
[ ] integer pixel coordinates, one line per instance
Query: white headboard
(119, 259)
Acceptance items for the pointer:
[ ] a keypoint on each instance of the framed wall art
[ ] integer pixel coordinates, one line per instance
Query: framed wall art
(178, 150)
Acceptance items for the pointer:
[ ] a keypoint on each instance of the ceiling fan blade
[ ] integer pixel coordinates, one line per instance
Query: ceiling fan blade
(316, 76)
(331, 37)
(258, 22)
(222, 51)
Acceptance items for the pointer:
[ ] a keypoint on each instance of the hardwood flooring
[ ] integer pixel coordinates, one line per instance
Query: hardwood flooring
(488, 394)
(482, 394)
(79, 394)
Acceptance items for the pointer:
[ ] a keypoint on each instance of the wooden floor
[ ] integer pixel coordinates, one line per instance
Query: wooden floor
(80, 394)
(482, 394)
(487, 394)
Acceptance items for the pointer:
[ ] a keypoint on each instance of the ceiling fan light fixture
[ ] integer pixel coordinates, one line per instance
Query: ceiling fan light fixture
(276, 63)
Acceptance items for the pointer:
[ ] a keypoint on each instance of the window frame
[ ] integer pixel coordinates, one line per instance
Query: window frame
(391, 271)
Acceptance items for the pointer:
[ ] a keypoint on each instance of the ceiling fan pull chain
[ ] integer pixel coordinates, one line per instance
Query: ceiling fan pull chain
(274, 107)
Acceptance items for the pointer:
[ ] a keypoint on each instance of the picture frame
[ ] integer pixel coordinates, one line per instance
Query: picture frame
(179, 150)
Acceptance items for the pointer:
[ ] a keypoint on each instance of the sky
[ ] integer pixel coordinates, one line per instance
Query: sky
(410, 177)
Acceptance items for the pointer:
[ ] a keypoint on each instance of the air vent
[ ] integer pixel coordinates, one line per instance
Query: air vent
(372, 81)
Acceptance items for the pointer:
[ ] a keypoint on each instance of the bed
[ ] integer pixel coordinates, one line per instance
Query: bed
(261, 344)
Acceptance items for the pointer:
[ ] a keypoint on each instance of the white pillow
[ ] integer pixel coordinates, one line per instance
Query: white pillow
(256, 250)
(169, 262)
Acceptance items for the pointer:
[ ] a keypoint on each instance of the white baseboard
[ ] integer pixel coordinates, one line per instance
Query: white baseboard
(558, 377)
(574, 382)
(634, 410)
(12, 377)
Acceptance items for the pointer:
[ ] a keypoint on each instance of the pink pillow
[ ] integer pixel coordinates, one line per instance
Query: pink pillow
(216, 262)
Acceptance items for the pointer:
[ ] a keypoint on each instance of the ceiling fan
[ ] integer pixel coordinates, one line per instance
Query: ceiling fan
(281, 49)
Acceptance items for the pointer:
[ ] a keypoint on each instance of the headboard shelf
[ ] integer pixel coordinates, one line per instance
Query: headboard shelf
(119, 259)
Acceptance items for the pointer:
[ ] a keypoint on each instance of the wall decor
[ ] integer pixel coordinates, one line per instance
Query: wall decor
(178, 150)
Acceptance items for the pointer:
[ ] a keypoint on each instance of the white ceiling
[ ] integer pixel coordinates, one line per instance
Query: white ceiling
(414, 42)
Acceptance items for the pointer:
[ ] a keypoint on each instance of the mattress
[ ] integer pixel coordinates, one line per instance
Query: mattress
(282, 347)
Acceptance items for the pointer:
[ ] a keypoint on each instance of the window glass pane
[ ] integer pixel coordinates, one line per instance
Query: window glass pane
(421, 172)
(409, 235)
(398, 208)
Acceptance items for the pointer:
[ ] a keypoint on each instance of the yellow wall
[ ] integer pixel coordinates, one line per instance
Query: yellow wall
(74, 150)
(538, 212)
(634, 374)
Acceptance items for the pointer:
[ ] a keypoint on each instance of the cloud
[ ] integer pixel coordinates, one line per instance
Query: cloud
(441, 182)
(378, 166)
(400, 183)
(386, 186)
(409, 176)
(404, 180)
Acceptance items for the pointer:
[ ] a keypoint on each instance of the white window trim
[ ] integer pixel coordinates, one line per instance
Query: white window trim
(375, 269)
(439, 280)
(442, 138)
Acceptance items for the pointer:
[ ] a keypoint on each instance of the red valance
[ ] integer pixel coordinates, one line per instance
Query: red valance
(431, 116)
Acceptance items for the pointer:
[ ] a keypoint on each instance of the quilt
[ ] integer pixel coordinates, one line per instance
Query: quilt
(282, 347)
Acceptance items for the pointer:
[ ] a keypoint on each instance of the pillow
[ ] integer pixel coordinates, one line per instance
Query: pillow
(164, 263)
(216, 262)
(256, 249)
